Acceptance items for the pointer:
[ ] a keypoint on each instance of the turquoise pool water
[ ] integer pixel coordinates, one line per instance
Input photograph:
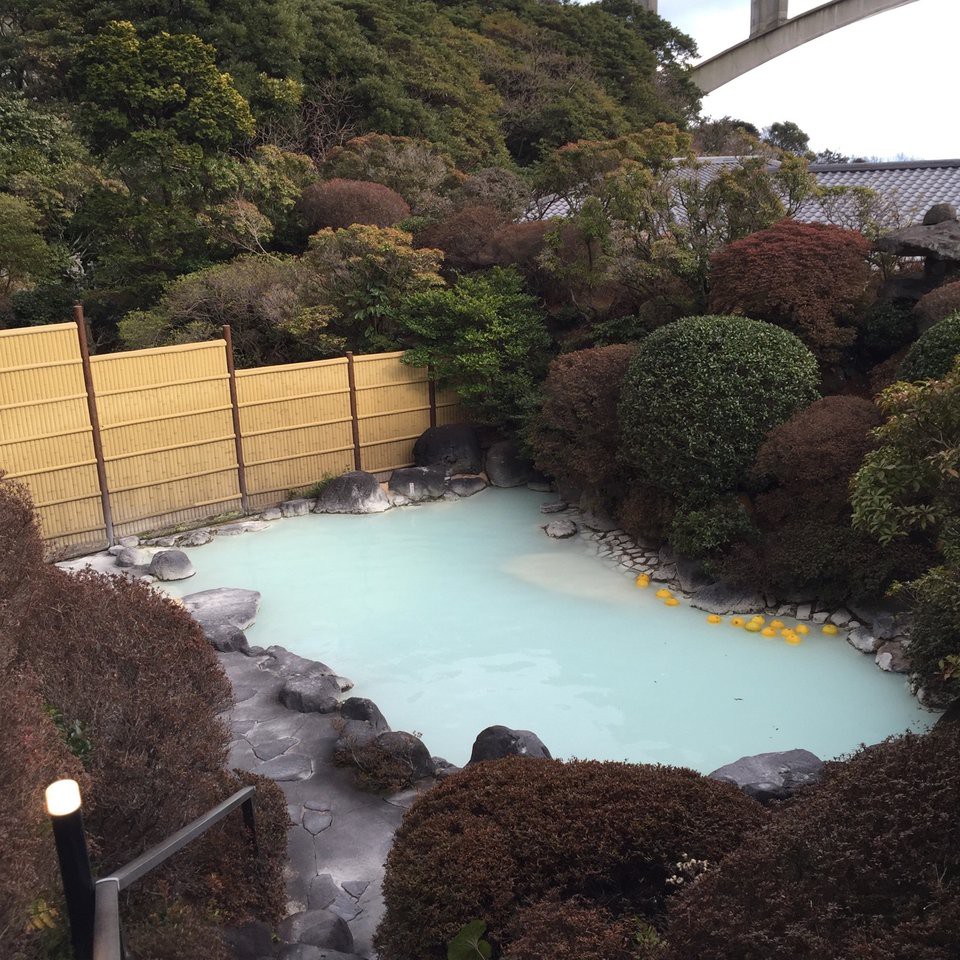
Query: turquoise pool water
(456, 615)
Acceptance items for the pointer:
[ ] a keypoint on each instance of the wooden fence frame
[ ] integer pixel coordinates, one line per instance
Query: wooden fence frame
(114, 526)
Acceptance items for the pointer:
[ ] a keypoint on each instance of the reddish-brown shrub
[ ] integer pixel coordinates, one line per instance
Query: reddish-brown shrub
(809, 278)
(136, 690)
(646, 513)
(812, 456)
(517, 245)
(340, 203)
(32, 755)
(864, 867)
(937, 305)
(463, 235)
(570, 930)
(576, 434)
(506, 833)
(808, 544)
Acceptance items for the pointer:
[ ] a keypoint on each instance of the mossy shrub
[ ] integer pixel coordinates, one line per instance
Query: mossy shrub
(504, 834)
(866, 866)
(932, 357)
(701, 394)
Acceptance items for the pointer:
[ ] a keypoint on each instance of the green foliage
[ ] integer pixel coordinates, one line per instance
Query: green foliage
(884, 328)
(935, 635)
(469, 944)
(702, 393)
(75, 733)
(485, 337)
(703, 531)
(140, 94)
(25, 257)
(787, 136)
(934, 354)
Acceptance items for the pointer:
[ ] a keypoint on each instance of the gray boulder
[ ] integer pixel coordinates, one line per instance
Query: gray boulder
(362, 723)
(505, 467)
(195, 538)
(557, 506)
(690, 574)
(496, 742)
(171, 565)
(131, 557)
(939, 241)
(892, 657)
(227, 638)
(354, 492)
(407, 750)
(939, 213)
(454, 446)
(560, 529)
(772, 776)
(419, 483)
(288, 664)
(223, 605)
(310, 694)
(721, 598)
(864, 640)
(466, 486)
(317, 928)
(271, 513)
(296, 508)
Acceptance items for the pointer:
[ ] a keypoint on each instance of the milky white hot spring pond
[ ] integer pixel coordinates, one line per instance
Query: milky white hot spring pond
(453, 616)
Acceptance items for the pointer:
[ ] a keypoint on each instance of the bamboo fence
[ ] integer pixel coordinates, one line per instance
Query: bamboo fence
(119, 443)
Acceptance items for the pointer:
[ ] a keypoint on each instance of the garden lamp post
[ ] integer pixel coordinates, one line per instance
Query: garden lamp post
(63, 808)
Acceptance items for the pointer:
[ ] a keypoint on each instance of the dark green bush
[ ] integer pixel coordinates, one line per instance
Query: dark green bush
(503, 834)
(700, 396)
(704, 530)
(935, 638)
(576, 434)
(883, 329)
(865, 866)
(932, 357)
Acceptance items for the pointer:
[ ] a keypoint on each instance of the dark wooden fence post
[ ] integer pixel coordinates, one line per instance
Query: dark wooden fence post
(432, 388)
(235, 408)
(94, 421)
(354, 416)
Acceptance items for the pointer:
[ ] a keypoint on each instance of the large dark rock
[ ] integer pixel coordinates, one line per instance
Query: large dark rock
(951, 716)
(939, 213)
(171, 565)
(505, 467)
(310, 694)
(407, 750)
(466, 486)
(317, 928)
(360, 708)
(723, 599)
(251, 941)
(353, 492)
(940, 241)
(497, 741)
(227, 638)
(454, 446)
(361, 723)
(690, 574)
(772, 776)
(419, 483)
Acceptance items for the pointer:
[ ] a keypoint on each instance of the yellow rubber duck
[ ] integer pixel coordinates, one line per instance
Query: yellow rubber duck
(757, 618)
(671, 602)
(829, 629)
(793, 639)
(663, 593)
(769, 632)
(643, 581)
(802, 628)
(714, 618)
(752, 626)
(736, 621)
(777, 624)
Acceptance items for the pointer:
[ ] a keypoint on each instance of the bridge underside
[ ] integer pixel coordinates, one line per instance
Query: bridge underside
(773, 34)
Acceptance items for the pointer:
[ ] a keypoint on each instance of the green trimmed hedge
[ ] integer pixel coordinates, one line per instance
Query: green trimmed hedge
(932, 357)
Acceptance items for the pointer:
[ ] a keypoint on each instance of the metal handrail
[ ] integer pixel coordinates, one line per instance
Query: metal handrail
(107, 936)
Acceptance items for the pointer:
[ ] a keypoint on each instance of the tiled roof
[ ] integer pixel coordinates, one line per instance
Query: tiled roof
(905, 190)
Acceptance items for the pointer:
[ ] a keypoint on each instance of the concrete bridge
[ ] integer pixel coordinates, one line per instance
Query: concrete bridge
(773, 32)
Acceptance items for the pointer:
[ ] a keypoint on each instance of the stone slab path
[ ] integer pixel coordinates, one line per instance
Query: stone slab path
(339, 837)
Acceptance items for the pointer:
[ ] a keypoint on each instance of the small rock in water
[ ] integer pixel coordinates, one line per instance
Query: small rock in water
(271, 513)
(171, 565)
(296, 508)
(195, 538)
(560, 529)
(557, 507)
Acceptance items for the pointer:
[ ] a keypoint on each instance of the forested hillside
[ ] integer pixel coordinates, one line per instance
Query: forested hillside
(143, 141)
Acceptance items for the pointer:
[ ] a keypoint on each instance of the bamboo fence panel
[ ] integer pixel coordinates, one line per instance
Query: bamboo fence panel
(448, 407)
(393, 409)
(167, 427)
(46, 440)
(295, 424)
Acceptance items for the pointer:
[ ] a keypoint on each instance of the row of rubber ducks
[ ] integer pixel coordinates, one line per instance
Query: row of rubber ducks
(756, 624)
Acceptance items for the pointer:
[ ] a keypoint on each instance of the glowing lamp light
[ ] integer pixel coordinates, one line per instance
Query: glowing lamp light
(63, 798)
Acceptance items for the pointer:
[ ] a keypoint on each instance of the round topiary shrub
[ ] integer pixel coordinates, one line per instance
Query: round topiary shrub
(463, 235)
(570, 929)
(865, 866)
(501, 835)
(576, 434)
(937, 305)
(932, 357)
(700, 396)
(340, 203)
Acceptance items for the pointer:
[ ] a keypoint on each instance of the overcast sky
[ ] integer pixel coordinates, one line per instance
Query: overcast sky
(882, 87)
